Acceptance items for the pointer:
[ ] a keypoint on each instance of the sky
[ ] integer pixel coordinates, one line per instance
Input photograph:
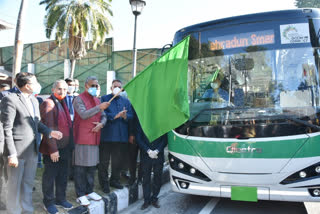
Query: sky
(156, 26)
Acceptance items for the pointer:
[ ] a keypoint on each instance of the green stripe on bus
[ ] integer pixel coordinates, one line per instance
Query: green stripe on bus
(286, 148)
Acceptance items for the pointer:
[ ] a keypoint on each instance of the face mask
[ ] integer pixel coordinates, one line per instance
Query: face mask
(71, 89)
(116, 90)
(93, 91)
(76, 88)
(59, 97)
(214, 85)
(36, 89)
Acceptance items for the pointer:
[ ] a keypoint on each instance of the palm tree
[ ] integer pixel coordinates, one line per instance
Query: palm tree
(76, 19)
(18, 43)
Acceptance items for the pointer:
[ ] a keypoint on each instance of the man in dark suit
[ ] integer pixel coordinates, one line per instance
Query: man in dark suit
(151, 159)
(3, 168)
(20, 117)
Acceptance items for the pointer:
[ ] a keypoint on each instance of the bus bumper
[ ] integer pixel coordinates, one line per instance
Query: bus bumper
(275, 193)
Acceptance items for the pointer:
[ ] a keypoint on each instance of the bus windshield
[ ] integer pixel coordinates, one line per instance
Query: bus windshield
(263, 78)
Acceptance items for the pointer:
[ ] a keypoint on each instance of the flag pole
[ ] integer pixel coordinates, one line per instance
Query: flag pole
(115, 96)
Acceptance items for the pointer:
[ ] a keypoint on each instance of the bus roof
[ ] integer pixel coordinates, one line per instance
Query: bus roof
(256, 17)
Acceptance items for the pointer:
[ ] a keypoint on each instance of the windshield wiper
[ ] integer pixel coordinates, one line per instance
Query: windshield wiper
(187, 124)
(303, 122)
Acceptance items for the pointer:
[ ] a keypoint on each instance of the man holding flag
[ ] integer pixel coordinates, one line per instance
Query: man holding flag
(114, 137)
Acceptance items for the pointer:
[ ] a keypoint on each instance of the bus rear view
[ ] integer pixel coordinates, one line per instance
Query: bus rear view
(253, 132)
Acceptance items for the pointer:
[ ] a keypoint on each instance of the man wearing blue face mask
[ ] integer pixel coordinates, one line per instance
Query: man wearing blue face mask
(89, 118)
(114, 138)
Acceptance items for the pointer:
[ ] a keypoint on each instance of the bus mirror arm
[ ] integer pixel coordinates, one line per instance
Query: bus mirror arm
(167, 46)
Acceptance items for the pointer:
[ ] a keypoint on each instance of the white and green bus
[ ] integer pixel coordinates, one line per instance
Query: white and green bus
(253, 87)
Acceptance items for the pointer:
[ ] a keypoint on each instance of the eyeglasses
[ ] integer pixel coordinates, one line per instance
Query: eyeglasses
(95, 86)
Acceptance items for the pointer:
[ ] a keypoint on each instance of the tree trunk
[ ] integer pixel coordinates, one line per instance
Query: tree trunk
(18, 44)
(73, 65)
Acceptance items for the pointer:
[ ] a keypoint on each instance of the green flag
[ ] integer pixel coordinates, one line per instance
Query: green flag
(159, 93)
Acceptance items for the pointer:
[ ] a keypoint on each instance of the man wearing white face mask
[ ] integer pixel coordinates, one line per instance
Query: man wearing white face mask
(114, 138)
(69, 98)
(77, 88)
(20, 117)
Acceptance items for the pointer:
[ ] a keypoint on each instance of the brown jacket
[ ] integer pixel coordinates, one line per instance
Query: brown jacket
(52, 112)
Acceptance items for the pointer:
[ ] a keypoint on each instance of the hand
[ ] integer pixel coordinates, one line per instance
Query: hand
(124, 113)
(97, 127)
(55, 156)
(104, 105)
(155, 154)
(13, 161)
(56, 134)
(151, 154)
(117, 116)
(132, 139)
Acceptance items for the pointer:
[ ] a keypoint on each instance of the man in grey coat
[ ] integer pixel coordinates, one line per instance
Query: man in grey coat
(21, 122)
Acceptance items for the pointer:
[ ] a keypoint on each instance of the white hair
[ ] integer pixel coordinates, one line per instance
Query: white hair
(59, 82)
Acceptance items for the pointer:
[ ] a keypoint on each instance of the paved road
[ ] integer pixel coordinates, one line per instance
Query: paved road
(176, 203)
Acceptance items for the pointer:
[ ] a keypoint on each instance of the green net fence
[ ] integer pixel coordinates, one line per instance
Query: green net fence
(48, 61)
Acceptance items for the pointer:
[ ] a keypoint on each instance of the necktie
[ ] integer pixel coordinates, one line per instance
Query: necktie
(70, 104)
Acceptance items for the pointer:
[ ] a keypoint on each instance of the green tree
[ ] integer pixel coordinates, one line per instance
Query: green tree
(76, 19)
(307, 3)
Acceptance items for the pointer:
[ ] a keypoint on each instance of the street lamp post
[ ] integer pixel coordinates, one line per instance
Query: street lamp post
(136, 6)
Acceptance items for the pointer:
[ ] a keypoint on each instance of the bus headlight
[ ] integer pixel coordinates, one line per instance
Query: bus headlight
(192, 170)
(183, 185)
(182, 167)
(309, 172)
(316, 192)
(303, 174)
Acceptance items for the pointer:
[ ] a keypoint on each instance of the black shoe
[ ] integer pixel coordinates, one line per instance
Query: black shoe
(144, 206)
(131, 181)
(106, 189)
(125, 174)
(155, 204)
(139, 181)
(116, 185)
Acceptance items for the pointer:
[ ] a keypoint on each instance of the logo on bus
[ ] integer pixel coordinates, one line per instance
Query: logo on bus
(235, 149)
